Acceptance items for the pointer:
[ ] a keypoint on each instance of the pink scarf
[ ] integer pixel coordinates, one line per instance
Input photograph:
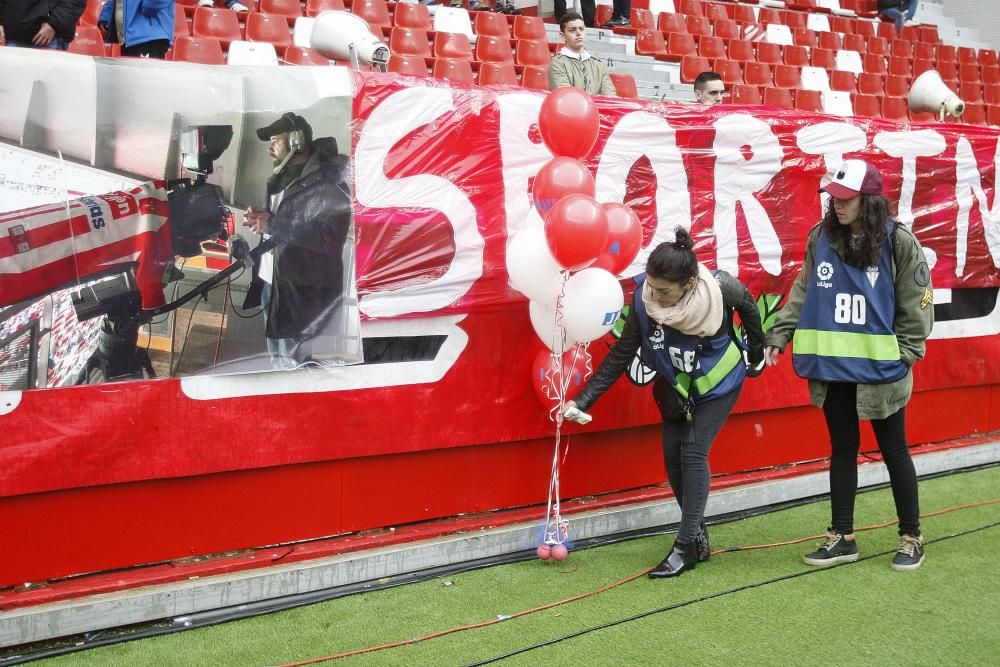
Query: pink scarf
(698, 313)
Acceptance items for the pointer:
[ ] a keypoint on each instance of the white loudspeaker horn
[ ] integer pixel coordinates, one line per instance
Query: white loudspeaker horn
(930, 94)
(346, 36)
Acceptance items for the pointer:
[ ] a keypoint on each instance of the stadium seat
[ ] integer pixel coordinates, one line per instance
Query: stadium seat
(867, 105)
(491, 23)
(253, 53)
(796, 56)
(497, 73)
(900, 67)
(740, 49)
(88, 41)
(919, 117)
(690, 7)
(886, 30)
(818, 23)
(290, 9)
(452, 45)
(744, 94)
(787, 76)
(452, 69)
(975, 114)
(896, 86)
(743, 14)
(219, 24)
(923, 51)
(779, 97)
(667, 23)
(624, 85)
(778, 34)
(410, 15)
(204, 50)
(410, 41)
(824, 58)
(729, 70)
(757, 74)
(967, 54)
(92, 12)
(900, 48)
(988, 57)
(699, 25)
(490, 48)
(804, 37)
(990, 74)
(929, 34)
(843, 81)
(640, 19)
(679, 45)
(691, 67)
(895, 108)
(841, 24)
(794, 19)
(855, 43)
(650, 43)
(532, 53)
(769, 16)
(864, 28)
(715, 12)
(871, 84)
(727, 29)
(968, 71)
(971, 91)
(769, 53)
(945, 53)
(406, 64)
(874, 63)
(268, 28)
(991, 94)
(529, 27)
(849, 61)
(181, 27)
(375, 12)
(835, 102)
(453, 19)
(536, 78)
(303, 55)
(815, 78)
(947, 70)
(709, 47)
(316, 7)
(878, 46)
(993, 115)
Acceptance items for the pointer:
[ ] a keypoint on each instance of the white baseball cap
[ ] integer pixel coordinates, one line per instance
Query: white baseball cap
(854, 177)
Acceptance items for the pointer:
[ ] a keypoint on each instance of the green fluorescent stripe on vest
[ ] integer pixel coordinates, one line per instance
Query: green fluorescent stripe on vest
(877, 347)
(707, 382)
(681, 384)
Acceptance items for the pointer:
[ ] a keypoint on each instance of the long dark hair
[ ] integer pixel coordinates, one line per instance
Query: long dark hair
(674, 260)
(875, 212)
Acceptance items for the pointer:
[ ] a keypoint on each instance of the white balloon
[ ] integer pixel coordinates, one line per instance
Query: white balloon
(591, 303)
(543, 319)
(531, 268)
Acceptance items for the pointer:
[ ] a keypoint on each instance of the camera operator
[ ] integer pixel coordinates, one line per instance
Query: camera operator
(301, 283)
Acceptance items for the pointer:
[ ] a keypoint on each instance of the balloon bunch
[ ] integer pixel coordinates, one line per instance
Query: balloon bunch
(568, 269)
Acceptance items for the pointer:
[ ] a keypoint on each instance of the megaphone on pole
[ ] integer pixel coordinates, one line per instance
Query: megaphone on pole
(930, 94)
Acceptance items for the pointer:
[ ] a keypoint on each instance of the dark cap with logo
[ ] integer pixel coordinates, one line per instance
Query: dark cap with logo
(854, 177)
(287, 123)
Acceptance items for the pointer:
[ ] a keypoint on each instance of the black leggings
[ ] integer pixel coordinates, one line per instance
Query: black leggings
(841, 411)
(687, 462)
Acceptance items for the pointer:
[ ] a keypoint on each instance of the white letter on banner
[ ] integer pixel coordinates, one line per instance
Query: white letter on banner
(831, 140)
(520, 157)
(968, 183)
(909, 146)
(644, 134)
(396, 117)
(737, 178)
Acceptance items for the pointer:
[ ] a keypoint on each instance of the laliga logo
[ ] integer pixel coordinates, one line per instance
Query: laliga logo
(657, 334)
(824, 271)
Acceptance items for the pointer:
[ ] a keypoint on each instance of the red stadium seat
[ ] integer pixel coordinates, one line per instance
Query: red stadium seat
(650, 43)
(897, 86)
(303, 55)
(787, 76)
(921, 65)
(410, 15)
(410, 41)
(895, 108)
(727, 29)
(824, 58)
(855, 43)
(529, 27)
(679, 45)
(947, 69)
(886, 30)
(971, 91)
(841, 24)
(991, 94)
(406, 64)
(181, 27)
(923, 51)
(929, 34)
(92, 13)
(690, 7)
(845, 81)
(624, 85)
(873, 63)
(809, 100)
(871, 84)
(640, 19)
(532, 53)
(993, 115)
(716, 12)
(967, 54)
(867, 105)
(88, 42)
(668, 22)
(988, 57)
(699, 25)
(804, 37)
(451, 69)
(744, 94)
(375, 12)
(740, 49)
(829, 40)
(794, 19)
(536, 78)
(204, 50)
(900, 48)
(864, 28)
(757, 74)
(603, 14)
(945, 53)
(778, 97)
(968, 71)
(220, 24)
(900, 67)
(729, 70)
(743, 14)
(990, 74)
(769, 53)
(709, 47)
(691, 67)
(290, 9)
(490, 48)
(268, 28)
(497, 73)
(491, 23)
(452, 45)
(975, 114)
(878, 45)
(796, 56)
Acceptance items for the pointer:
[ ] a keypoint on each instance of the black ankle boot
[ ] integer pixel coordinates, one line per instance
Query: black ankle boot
(704, 549)
(683, 557)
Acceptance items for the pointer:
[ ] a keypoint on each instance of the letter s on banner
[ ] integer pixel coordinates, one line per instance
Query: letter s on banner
(396, 117)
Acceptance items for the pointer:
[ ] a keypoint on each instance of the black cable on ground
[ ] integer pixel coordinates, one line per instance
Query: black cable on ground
(711, 596)
(147, 630)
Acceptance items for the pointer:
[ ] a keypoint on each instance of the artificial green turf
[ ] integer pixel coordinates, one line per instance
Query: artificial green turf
(948, 612)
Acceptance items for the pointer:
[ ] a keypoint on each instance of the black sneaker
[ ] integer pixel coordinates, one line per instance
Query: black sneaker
(617, 22)
(835, 549)
(701, 542)
(910, 554)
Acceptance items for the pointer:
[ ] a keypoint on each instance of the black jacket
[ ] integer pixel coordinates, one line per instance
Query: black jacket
(22, 19)
(889, 4)
(734, 297)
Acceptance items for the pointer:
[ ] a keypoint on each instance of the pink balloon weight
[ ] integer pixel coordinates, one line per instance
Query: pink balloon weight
(568, 122)
(543, 551)
(543, 376)
(624, 239)
(558, 551)
(576, 229)
(559, 177)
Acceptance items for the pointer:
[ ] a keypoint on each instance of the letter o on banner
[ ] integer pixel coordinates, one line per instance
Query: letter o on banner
(568, 122)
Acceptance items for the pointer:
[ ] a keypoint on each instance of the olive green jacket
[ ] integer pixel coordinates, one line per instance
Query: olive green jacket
(914, 319)
(588, 74)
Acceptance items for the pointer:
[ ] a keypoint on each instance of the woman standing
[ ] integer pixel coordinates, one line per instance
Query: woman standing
(860, 311)
(681, 318)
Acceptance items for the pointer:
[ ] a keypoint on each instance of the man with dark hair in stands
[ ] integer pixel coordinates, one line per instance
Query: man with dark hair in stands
(621, 9)
(900, 12)
(309, 215)
(573, 66)
(588, 8)
(144, 29)
(40, 24)
(708, 88)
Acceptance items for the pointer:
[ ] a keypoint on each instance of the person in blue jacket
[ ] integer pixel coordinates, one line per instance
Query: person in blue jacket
(144, 28)
(682, 321)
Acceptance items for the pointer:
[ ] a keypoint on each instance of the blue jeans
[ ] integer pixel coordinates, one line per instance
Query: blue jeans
(901, 14)
(57, 44)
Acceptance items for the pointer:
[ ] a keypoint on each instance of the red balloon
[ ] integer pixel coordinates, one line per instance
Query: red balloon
(543, 376)
(624, 239)
(568, 122)
(559, 177)
(543, 551)
(558, 552)
(576, 229)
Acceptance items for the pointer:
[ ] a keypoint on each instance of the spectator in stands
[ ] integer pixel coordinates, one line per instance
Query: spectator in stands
(588, 8)
(621, 9)
(504, 7)
(40, 24)
(681, 322)
(899, 11)
(573, 66)
(708, 88)
(309, 216)
(234, 5)
(144, 29)
(860, 311)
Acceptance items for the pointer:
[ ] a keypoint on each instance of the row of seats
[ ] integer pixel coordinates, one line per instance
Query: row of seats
(488, 48)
